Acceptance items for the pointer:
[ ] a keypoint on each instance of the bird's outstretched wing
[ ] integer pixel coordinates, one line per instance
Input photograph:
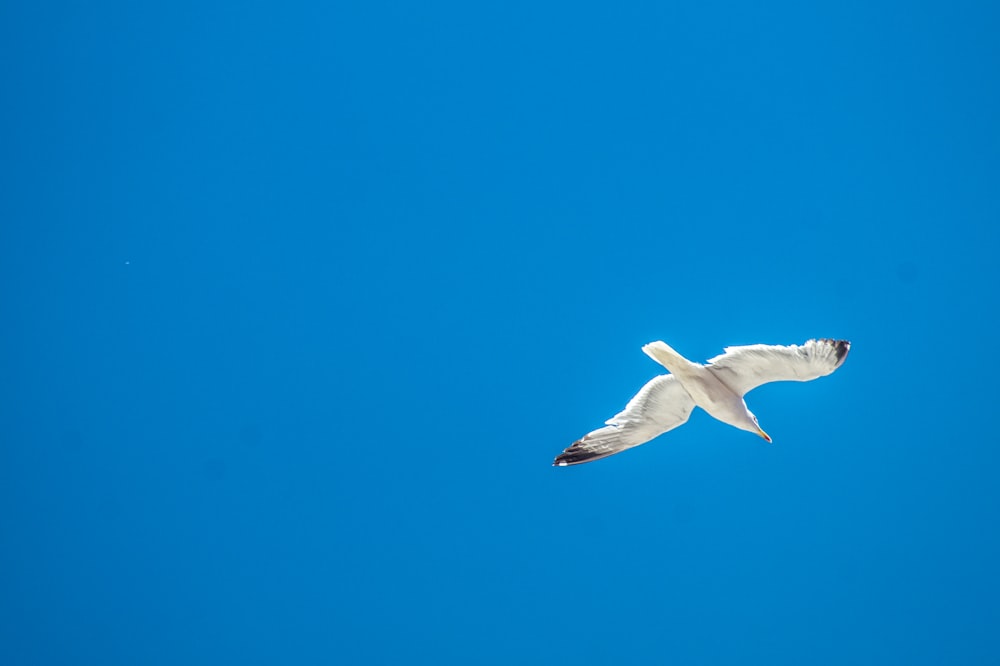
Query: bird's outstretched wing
(661, 405)
(743, 369)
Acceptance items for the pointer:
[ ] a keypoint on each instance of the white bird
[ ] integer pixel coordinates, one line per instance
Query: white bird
(718, 387)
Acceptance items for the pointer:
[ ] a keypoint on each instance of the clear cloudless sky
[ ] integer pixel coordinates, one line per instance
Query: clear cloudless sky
(299, 300)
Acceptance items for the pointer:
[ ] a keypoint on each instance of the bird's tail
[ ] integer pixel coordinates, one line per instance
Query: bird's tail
(663, 354)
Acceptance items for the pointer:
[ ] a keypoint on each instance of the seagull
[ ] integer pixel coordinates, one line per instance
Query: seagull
(718, 387)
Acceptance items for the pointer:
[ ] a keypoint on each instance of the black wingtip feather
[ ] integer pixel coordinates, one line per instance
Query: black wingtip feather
(575, 455)
(841, 347)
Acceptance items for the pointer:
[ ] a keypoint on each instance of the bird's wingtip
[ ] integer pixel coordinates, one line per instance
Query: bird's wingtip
(579, 453)
(841, 347)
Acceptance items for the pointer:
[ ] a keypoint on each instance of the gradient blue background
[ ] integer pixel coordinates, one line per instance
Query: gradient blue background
(300, 300)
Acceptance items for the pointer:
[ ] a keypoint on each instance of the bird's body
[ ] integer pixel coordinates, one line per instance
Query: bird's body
(705, 389)
(666, 401)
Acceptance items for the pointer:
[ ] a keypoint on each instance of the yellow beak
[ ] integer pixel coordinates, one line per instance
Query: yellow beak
(763, 434)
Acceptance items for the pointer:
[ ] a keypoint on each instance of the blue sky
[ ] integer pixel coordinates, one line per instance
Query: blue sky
(300, 300)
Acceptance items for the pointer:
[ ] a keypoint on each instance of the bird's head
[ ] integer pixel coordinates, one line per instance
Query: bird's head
(754, 427)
